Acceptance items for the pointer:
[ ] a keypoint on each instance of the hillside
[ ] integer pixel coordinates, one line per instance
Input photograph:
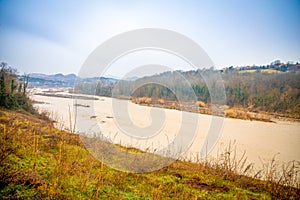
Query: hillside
(254, 96)
(38, 161)
(267, 93)
(60, 80)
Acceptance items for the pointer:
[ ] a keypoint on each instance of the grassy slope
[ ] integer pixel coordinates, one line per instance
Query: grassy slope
(38, 161)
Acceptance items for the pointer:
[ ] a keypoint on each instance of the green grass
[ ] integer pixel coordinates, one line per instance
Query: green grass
(38, 161)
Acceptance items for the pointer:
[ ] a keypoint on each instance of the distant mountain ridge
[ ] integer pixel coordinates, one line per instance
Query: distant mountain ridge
(58, 76)
(61, 80)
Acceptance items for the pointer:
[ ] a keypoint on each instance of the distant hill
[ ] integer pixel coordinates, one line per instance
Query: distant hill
(61, 80)
(58, 77)
(55, 80)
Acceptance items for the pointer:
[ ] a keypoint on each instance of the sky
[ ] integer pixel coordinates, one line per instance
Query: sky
(57, 36)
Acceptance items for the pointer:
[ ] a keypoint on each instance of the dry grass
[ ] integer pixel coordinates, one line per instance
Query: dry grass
(161, 101)
(142, 100)
(201, 104)
(38, 161)
(283, 182)
(246, 115)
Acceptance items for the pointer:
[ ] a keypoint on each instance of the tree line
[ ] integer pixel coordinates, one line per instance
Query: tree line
(13, 89)
(258, 91)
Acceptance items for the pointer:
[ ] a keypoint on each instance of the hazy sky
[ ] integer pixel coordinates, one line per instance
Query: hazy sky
(57, 36)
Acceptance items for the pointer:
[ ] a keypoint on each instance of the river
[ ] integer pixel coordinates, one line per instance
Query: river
(260, 140)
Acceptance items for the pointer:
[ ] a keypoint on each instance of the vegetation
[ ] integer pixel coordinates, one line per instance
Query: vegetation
(38, 161)
(264, 92)
(258, 92)
(13, 89)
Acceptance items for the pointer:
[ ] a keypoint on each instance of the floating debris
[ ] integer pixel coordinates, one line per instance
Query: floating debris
(81, 105)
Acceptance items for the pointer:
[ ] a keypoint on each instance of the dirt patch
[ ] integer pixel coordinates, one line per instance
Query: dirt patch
(26, 177)
(199, 185)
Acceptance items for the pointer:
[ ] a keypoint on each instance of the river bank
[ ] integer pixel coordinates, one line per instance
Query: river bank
(53, 164)
(226, 111)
